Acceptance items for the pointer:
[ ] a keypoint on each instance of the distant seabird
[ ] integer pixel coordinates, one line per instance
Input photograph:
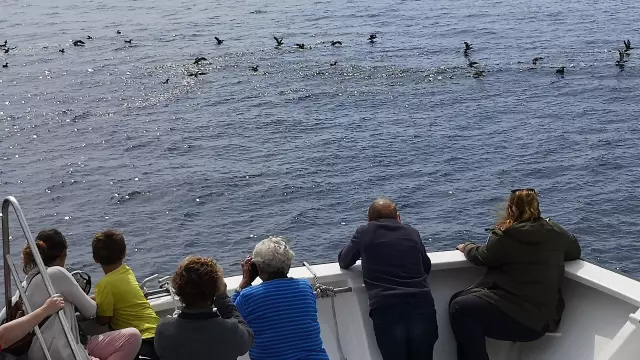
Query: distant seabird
(627, 45)
(197, 73)
(6, 65)
(467, 46)
(478, 74)
(220, 41)
(119, 32)
(333, 63)
(61, 50)
(560, 70)
(166, 81)
(336, 42)
(254, 68)
(300, 46)
(78, 43)
(199, 60)
(536, 59)
(372, 38)
(472, 63)
(621, 59)
(128, 41)
(4, 45)
(89, 37)
(279, 42)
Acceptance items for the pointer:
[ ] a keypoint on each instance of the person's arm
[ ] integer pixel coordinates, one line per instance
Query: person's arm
(493, 254)
(351, 253)
(18, 328)
(228, 311)
(426, 260)
(104, 301)
(67, 286)
(573, 250)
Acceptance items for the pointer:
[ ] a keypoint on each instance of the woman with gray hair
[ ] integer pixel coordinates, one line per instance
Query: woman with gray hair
(281, 311)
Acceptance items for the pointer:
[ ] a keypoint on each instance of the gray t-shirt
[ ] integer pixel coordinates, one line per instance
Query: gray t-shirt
(203, 334)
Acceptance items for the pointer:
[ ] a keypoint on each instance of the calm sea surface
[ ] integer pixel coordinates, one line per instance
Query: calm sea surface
(92, 138)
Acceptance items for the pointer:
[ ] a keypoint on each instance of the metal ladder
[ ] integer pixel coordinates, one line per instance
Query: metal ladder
(10, 269)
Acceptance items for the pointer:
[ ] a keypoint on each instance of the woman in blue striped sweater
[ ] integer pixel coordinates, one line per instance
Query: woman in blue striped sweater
(281, 311)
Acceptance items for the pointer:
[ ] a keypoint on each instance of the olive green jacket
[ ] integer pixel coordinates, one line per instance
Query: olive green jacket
(525, 271)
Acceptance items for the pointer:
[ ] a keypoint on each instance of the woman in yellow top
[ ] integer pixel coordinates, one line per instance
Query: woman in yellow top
(121, 303)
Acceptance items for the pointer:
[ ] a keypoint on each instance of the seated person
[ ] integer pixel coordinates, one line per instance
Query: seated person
(281, 311)
(519, 298)
(16, 329)
(114, 345)
(121, 303)
(198, 332)
(395, 266)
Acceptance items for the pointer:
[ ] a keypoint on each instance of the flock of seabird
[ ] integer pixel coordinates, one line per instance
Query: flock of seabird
(478, 72)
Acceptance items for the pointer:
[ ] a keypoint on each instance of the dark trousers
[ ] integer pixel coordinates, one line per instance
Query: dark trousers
(148, 350)
(473, 318)
(405, 331)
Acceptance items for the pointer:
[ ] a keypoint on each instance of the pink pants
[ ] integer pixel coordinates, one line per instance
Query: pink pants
(115, 345)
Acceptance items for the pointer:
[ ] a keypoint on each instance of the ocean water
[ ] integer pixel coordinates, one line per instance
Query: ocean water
(92, 138)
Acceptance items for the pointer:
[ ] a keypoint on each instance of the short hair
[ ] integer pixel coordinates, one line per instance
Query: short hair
(108, 247)
(198, 280)
(382, 208)
(272, 255)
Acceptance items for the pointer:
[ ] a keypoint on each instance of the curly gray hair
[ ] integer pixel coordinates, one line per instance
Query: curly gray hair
(273, 255)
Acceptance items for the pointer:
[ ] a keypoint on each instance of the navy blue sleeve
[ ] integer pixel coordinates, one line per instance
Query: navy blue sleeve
(426, 260)
(351, 253)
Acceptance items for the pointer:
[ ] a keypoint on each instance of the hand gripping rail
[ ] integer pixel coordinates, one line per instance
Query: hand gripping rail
(10, 269)
(324, 291)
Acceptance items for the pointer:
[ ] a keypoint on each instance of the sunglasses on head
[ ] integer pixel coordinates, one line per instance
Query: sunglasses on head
(527, 189)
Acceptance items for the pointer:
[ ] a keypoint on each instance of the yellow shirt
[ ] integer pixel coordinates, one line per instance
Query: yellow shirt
(119, 296)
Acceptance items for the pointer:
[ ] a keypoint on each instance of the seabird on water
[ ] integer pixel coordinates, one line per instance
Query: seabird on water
(478, 74)
(61, 50)
(472, 63)
(6, 50)
(89, 37)
(301, 46)
(372, 38)
(218, 40)
(119, 32)
(166, 81)
(196, 74)
(333, 63)
(6, 65)
(254, 68)
(78, 43)
(536, 60)
(560, 71)
(4, 45)
(468, 46)
(130, 41)
(336, 42)
(199, 60)
(279, 42)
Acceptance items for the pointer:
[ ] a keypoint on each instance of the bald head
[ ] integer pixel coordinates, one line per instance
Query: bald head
(382, 208)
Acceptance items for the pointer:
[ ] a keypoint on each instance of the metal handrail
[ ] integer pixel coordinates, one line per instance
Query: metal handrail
(8, 265)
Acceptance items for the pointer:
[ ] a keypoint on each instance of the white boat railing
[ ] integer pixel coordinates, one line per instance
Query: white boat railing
(10, 270)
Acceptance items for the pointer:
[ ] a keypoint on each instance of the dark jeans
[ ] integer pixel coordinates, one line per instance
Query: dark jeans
(405, 331)
(472, 318)
(148, 350)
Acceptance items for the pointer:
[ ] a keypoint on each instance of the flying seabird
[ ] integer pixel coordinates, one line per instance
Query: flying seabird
(279, 42)
(300, 46)
(128, 41)
(78, 43)
(199, 60)
(472, 63)
(621, 60)
(253, 68)
(6, 65)
(560, 70)
(627, 45)
(536, 59)
(61, 50)
(467, 46)
(336, 42)
(333, 63)
(220, 41)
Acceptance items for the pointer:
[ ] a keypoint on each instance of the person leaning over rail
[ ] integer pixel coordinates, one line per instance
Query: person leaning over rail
(518, 298)
(114, 345)
(198, 332)
(18, 328)
(281, 311)
(395, 266)
(121, 303)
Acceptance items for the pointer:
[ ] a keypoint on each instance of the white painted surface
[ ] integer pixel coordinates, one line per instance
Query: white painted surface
(596, 323)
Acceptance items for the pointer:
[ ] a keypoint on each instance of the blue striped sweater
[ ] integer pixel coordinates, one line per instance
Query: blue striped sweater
(283, 316)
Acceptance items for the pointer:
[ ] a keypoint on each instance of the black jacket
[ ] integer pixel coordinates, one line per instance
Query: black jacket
(525, 271)
(395, 264)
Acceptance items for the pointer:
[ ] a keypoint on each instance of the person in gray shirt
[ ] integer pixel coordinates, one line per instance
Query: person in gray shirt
(199, 332)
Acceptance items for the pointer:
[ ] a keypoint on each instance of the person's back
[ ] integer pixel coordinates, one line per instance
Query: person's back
(395, 266)
(282, 314)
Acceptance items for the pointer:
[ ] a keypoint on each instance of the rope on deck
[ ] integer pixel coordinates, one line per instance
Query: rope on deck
(324, 292)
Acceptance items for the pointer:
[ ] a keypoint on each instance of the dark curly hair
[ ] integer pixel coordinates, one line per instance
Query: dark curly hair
(51, 245)
(108, 247)
(198, 280)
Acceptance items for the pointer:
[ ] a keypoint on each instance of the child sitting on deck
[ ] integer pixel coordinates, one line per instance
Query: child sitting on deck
(120, 300)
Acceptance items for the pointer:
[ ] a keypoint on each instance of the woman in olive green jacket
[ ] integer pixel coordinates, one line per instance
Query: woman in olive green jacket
(518, 298)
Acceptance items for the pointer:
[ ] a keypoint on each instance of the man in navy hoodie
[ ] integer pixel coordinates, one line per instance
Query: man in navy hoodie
(395, 266)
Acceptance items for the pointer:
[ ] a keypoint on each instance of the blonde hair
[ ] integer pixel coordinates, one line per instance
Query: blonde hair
(523, 205)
